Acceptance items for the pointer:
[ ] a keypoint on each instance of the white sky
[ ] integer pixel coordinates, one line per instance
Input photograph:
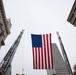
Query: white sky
(38, 16)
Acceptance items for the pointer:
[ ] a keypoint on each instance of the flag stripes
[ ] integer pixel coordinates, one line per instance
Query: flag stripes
(42, 56)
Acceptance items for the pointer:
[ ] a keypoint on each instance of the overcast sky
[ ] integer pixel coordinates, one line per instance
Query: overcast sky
(38, 17)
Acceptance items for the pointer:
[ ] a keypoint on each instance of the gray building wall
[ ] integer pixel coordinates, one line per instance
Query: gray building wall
(4, 24)
(8, 71)
(60, 67)
(72, 15)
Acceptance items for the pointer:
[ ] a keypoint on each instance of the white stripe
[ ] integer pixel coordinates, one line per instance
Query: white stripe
(49, 51)
(43, 51)
(40, 59)
(37, 58)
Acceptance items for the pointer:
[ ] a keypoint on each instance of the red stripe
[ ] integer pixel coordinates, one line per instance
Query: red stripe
(36, 56)
(39, 57)
(45, 51)
(48, 51)
(42, 58)
(51, 51)
(33, 58)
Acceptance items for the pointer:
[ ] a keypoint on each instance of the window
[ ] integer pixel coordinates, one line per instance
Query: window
(53, 74)
(2, 42)
(71, 17)
(75, 9)
(74, 21)
(1, 30)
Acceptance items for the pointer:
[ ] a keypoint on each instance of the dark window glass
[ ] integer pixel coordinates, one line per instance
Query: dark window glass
(71, 17)
(74, 21)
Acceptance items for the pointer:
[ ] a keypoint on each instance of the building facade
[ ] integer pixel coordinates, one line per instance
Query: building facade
(72, 15)
(60, 67)
(5, 24)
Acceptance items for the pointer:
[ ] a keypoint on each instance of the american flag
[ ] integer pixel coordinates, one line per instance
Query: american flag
(42, 51)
